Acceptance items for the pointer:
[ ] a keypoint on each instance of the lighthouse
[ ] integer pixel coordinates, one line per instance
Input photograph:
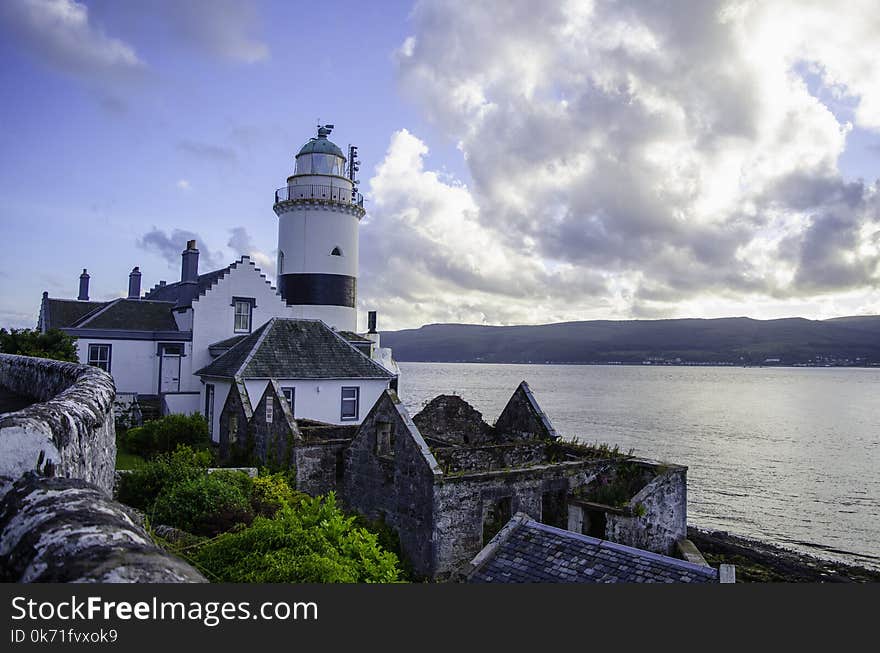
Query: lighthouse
(319, 211)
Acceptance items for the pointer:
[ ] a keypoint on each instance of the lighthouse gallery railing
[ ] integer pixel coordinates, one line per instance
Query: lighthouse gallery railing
(318, 192)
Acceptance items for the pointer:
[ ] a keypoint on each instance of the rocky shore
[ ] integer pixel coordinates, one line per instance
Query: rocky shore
(759, 562)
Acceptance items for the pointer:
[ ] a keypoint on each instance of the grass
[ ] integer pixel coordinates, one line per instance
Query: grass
(125, 460)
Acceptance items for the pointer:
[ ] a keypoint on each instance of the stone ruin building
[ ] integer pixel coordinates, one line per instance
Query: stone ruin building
(447, 482)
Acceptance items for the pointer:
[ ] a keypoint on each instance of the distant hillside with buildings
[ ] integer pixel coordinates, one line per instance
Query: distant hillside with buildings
(736, 341)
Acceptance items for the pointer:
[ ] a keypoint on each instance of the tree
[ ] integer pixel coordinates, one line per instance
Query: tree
(29, 342)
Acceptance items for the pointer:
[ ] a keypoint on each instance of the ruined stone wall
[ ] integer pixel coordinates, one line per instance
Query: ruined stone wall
(65, 530)
(523, 419)
(71, 433)
(270, 443)
(462, 504)
(396, 488)
(660, 518)
(234, 429)
(492, 457)
(320, 466)
(451, 419)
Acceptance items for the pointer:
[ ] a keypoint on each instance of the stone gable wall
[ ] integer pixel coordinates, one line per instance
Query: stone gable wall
(397, 489)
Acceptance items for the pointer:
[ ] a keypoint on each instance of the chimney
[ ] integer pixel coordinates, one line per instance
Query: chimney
(84, 286)
(134, 283)
(189, 269)
(371, 321)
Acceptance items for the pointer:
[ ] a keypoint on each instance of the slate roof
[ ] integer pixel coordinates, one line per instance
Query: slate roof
(182, 294)
(526, 551)
(286, 348)
(60, 313)
(222, 346)
(130, 315)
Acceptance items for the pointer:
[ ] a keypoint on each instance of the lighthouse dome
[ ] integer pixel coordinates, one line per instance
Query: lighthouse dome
(320, 156)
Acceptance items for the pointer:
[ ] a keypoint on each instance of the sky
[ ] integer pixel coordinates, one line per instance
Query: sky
(522, 162)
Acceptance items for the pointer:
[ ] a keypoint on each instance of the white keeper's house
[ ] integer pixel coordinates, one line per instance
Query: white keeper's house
(183, 344)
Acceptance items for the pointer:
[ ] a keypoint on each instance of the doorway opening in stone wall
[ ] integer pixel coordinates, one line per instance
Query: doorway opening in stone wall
(594, 523)
(554, 508)
(495, 515)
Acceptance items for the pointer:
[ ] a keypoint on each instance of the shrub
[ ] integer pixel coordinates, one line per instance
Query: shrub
(165, 434)
(206, 504)
(311, 542)
(140, 487)
(272, 492)
(30, 342)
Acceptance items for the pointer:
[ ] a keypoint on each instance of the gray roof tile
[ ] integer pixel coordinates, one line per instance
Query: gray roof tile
(130, 315)
(526, 551)
(294, 349)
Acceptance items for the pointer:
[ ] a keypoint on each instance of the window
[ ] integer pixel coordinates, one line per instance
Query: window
(233, 428)
(242, 316)
(290, 395)
(270, 409)
(350, 400)
(99, 356)
(280, 262)
(384, 439)
(336, 252)
(209, 407)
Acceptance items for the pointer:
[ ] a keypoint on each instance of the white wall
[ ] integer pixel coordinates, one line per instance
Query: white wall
(322, 400)
(184, 404)
(221, 392)
(214, 315)
(134, 364)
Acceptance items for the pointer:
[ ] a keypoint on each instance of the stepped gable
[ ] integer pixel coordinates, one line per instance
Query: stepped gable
(294, 349)
(183, 294)
(526, 551)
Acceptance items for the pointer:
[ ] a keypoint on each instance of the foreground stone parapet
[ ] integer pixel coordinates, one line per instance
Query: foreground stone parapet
(67, 530)
(70, 432)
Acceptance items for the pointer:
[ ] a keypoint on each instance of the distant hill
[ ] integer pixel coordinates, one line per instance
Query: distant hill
(735, 340)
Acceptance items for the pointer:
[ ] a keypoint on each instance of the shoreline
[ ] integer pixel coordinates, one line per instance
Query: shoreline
(759, 562)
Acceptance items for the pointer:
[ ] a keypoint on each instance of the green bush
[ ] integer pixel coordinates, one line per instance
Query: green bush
(30, 342)
(165, 434)
(311, 542)
(272, 492)
(141, 487)
(206, 504)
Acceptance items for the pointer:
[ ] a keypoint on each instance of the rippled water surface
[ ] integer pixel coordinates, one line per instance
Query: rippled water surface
(786, 455)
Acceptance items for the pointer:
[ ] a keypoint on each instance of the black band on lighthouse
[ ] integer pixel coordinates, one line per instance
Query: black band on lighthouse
(318, 289)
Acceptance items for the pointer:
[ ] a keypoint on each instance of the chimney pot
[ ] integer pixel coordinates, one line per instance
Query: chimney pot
(84, 286)
(189, 267)
(134, 283)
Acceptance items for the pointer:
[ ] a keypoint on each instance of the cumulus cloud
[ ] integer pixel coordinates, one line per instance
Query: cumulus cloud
(630, 158)
(240, 242)
(171, 246)
(61, 34)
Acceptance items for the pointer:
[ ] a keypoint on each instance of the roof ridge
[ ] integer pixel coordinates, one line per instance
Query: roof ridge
(353, 348)
(91, 315)
(267, 327)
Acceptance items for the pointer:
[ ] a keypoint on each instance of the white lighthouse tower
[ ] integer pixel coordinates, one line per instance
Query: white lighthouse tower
(319, 211)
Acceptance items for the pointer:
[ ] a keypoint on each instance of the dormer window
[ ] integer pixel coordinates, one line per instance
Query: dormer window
(243, 319)
(336, 252)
